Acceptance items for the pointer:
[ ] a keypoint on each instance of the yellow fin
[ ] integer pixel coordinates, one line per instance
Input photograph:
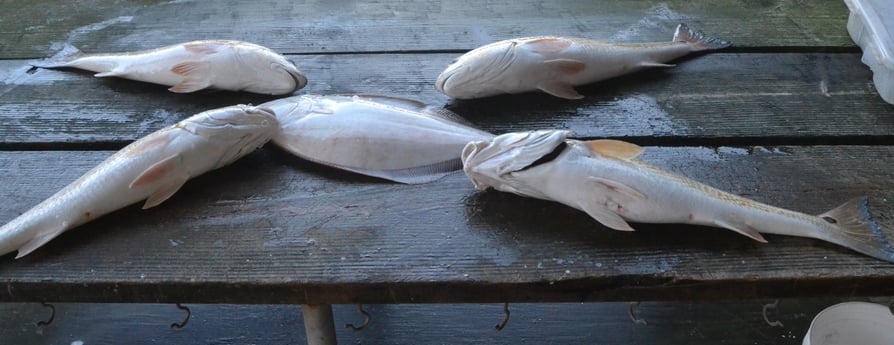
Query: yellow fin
(614, 148)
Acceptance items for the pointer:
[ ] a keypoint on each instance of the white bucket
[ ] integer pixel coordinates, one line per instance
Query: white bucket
(852, 323)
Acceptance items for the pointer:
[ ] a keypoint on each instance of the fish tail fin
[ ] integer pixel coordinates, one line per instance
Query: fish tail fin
(698, 40)
(68, 54)
(857, 230)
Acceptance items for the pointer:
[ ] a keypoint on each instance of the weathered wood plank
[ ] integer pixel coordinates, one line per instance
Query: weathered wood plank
(275, 229)
(31, 29)
(706, 323)
(752, 98)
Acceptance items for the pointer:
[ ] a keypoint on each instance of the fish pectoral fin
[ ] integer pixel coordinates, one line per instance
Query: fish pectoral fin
(190, 85)
(39, 241)
(559, 89)
(614, 148)
(196, 73)
(164, 193)
(618, 187)
(655, 64)
(607, 217)
(744, 230)
(565, 66)
(163, 170)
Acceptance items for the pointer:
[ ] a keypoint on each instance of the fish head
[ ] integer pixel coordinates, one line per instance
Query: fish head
(269, 73)
(478, 73)
(492, 163)
(232, 132)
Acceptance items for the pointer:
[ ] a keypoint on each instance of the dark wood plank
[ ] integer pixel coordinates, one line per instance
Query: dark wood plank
(740, 99)
(705, 323)
(32, 29)
(274, 229)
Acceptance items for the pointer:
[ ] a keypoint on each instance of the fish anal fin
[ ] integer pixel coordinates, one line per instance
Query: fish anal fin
(412, 175)
(190, 85)
(164, 193)
(204, 48)
(744, 230)
(111, 73)
(614, 148)
(163, 170)
(39, 241)
(606, 217)
(619, 187)
(548, 45)
(566, 66)
(655, 64)
(559, 89)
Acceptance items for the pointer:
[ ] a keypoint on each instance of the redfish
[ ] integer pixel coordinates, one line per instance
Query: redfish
(604, 179)
(193, 66)
(152, 168)
(556, 65)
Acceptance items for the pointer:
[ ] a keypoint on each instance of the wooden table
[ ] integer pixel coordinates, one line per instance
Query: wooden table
(787, 116)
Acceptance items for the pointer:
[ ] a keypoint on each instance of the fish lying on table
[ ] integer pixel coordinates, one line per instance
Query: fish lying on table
(604, 179)
(153, 167)
(397, 139)
(556, 65)
(193, 66)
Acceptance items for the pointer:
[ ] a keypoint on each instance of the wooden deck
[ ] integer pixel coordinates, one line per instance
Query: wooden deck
(788, 116)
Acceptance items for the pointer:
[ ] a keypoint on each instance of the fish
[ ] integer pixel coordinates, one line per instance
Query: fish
(556, 65)
(193, 66)
(152, 168)
(605, 179)
(397, 139)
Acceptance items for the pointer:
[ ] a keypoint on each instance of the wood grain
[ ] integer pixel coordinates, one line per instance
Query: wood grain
(274, 229)
(33, 29)
(732, 99)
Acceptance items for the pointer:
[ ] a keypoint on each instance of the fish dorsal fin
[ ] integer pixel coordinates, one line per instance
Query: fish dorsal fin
(416, 106)
(548, 45)
(203, 47)
(607, 217)
(397, 102)
(614, 148)
(744, 230)
(39, 241)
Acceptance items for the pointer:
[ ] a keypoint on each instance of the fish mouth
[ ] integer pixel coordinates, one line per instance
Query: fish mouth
(488, 163)
(300, 78)
(444, 77)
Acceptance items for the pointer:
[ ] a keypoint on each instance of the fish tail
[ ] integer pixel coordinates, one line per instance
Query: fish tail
(68, 54)
(855, 229)
(698, 40)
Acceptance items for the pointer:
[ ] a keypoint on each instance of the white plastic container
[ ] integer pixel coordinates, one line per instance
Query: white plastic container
(852, 323)
(871, 26)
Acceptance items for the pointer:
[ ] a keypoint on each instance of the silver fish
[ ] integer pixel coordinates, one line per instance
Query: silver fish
(397, 139)
(556, 64)
(193, 66)
(604, 179)
(153, 167)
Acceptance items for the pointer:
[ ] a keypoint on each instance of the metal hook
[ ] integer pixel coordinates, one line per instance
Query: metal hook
(52, 314)
(366, 319)
(182, 324)
(773, 305)
(633, 318)
(502, 324)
